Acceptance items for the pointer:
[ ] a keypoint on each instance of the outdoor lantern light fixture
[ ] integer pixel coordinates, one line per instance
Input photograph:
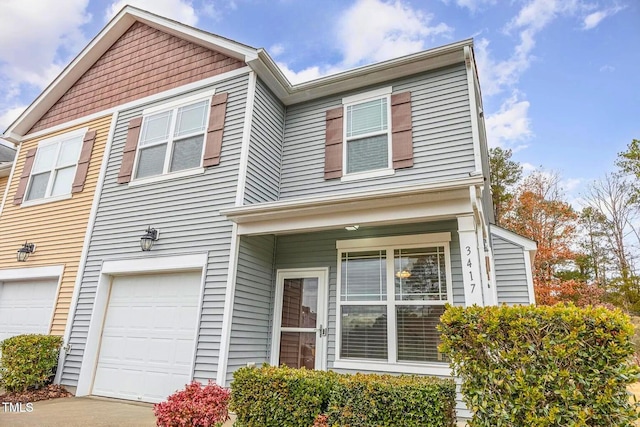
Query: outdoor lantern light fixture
(150, 236)
(25, 250)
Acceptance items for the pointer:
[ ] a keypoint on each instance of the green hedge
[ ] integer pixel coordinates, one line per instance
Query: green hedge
(281, 396)
(276, 397)
(542, 366)
(383, 400)
(28, 361)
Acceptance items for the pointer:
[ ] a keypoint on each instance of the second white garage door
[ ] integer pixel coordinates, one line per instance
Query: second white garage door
(26, 307)
(149, 336)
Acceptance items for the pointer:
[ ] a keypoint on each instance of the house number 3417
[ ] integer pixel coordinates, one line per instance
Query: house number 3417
(468, 265)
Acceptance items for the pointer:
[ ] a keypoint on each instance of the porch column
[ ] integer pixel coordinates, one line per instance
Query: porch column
(471, 259)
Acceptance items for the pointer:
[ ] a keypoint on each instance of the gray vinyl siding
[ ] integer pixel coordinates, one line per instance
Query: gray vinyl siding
(511, 274)
(185, 210)
(252, 308)
(442, 134)
(265, 149)
(319, 250)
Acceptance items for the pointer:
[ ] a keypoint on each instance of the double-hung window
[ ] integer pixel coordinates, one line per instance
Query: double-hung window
(392, 292)
(172, 140)
(54, 167)
(367, 132)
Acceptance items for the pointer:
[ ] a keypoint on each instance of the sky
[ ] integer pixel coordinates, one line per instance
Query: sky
(560, 79)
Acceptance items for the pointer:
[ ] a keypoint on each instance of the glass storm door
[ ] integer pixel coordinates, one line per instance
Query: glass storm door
(300, 323)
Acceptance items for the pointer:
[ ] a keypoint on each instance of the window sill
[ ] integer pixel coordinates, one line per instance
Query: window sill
(45, 200)
(165, 177)
(431, 368)
(367, 175)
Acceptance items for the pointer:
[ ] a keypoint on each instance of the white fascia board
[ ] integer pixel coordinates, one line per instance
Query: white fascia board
(356, 78)
(527, 244)
(101, 43)
(245, 213)
(158, 264)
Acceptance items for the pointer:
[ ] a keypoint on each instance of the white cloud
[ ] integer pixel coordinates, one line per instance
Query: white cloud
(375, 30)
(511, 124)
(593, 19)
(276, 50)
(570, 184)
(178, 10)
(527, 168)
(474, 5)
(607, 67)
(38, 38)
(8, 116)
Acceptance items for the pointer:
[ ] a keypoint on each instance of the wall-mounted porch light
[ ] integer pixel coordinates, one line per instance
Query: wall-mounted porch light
(150, 236)
(25, 251)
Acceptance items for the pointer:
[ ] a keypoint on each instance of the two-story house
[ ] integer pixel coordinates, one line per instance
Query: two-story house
(239, 219)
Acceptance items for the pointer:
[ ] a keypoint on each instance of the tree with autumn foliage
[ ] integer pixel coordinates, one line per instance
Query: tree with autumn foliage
(538, 211)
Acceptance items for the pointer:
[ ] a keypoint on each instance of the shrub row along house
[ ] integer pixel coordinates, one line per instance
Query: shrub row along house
(320, 225)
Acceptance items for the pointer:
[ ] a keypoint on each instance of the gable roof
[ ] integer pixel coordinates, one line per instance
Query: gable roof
(257, 59)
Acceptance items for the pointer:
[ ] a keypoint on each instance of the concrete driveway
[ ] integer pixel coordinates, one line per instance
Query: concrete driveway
(82, 411)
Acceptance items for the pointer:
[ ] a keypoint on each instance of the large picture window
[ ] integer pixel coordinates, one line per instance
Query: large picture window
(172, 140)
(54, 167)
(391, 296)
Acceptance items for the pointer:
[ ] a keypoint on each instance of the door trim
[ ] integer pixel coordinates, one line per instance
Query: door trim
(322, 273)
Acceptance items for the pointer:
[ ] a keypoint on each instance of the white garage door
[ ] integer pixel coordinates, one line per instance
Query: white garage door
(149, 336)
(26, 307)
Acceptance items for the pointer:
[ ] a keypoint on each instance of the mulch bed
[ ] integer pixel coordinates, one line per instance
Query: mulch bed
(52, 391)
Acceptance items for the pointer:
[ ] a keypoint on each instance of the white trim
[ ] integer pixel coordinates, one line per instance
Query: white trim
(412, 239)
(470, 260)
(438, 369)
(166, 176)
(181, 102)
(298, 203)
(475, 129)
(103, 290)
(13, 169)
(529, 272)
(227, 315)
(45, 200)
(85, 246)
(167, 94)
(527, 244)
(48, 272)
(365, 96)
(367, 174)
(246, 140)
(155, 264)
(389, 245)
(322, 342)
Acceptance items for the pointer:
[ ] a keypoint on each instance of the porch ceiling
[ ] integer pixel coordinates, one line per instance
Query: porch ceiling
(431, 202)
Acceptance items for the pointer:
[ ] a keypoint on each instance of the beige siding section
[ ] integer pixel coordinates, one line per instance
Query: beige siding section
(57, 228)
(142, 62)
(3, 186)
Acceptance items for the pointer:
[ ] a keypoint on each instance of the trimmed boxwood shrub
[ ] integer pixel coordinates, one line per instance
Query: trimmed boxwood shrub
(542, 366)
(273, 397)
(281, 396)
(28, 361)
(364, 400)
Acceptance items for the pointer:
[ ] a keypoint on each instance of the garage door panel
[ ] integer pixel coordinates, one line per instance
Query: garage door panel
(26, 307)
(149, 336)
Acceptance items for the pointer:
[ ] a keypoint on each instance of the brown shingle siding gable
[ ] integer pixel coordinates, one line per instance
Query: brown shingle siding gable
(142, 62)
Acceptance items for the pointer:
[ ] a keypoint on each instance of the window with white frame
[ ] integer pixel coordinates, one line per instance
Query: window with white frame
(392, 293)
(367, 132)
(172, 140)
(54, 167)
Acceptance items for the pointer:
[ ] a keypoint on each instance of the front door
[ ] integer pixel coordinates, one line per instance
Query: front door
(300, 323)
